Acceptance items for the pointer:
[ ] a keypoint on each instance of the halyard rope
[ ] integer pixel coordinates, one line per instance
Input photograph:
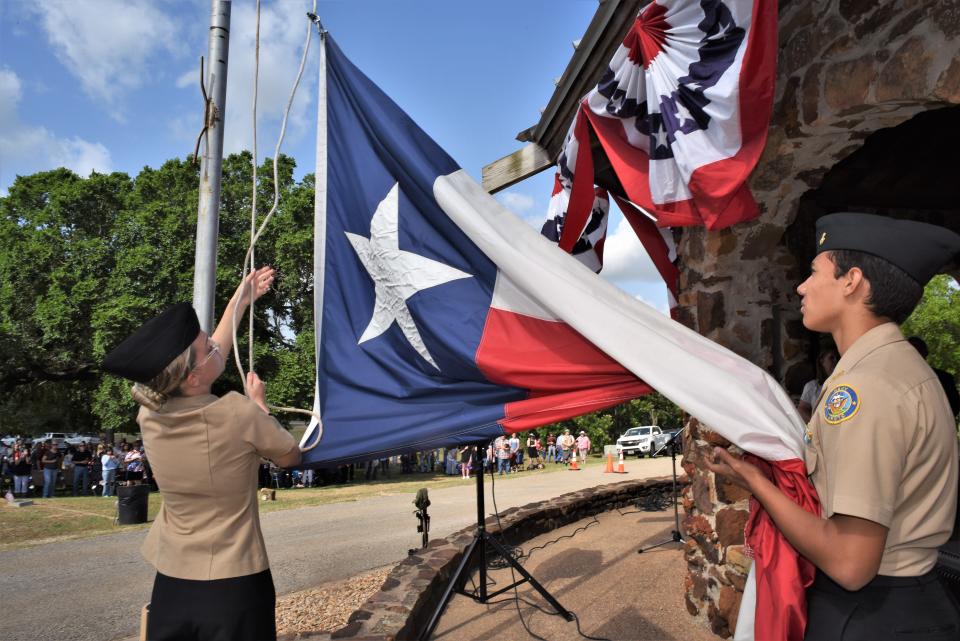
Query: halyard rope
(255, 232)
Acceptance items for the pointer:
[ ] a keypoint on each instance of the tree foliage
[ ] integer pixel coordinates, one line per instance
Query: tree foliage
(605, 426)
(84, 261)
(937, 321)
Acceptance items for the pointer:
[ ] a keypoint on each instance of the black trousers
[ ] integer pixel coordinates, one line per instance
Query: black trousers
(915, 608)
(236, 609)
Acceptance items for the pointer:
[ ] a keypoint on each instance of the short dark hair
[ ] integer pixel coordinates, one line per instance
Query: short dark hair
(893, 293)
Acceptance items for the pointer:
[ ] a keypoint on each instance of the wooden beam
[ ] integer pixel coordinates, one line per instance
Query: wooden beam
(509, 170)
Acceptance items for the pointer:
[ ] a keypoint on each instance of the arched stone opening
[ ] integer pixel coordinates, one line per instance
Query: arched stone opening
(911, 171)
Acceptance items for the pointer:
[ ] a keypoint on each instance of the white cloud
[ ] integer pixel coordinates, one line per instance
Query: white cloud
(108, 44)
(515, 201)
(625, 259)
(25, 149)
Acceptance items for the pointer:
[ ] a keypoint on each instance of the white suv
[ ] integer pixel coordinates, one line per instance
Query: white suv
(639, 440)
(59, 439)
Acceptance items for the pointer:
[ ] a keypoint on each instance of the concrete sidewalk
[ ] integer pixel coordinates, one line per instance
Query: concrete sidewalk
(616, 593)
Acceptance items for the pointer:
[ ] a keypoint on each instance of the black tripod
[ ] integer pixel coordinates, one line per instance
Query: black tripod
(675, 536)
(476, 552)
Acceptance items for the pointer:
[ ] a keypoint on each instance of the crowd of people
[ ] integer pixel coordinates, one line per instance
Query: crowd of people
(43, 468)
(506, 455)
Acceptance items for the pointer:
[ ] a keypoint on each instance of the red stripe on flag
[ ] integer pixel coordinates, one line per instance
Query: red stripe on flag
(782, 575)
(566, 374)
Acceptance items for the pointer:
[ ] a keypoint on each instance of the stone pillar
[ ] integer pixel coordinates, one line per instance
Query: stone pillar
(716, 513)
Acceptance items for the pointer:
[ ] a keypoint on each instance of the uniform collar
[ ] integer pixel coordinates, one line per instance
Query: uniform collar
(874, 339)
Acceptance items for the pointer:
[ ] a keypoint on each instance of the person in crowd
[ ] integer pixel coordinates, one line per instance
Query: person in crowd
(583, 445)
(466, 461)
(133, 464)
(96, 468)
(213, 576)
(6, 460)
(502, 446)
(826, 362)
(947, 380)
(82, 458)
(66, 464)
(22, 470)
(307, 477)
(566, 443)
(109, 464)
(450, 461)
(37, 453)
(538, 444)
(516, 454)
(881, 446)
(532, 453)
(551, 448)
(51, 468)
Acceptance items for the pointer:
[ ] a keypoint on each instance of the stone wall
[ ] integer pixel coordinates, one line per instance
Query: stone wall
(413, 588)
(846, 69)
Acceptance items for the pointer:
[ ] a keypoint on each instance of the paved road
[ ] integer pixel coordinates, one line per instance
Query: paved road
(92, 589)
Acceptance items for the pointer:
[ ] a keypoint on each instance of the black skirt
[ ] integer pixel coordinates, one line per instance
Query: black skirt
(242, 608)
(917, 608)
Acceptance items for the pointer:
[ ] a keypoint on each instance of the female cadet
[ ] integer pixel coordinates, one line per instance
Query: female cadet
(881, 445)
(213, 578)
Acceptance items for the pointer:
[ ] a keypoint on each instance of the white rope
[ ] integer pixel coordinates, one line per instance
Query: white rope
(255, 231)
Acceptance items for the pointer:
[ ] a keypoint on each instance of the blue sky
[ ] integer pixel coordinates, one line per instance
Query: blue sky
(112, 85)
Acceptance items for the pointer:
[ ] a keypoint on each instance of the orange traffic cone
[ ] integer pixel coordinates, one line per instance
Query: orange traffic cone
(609, 469)
(573, 463)
(620, 469)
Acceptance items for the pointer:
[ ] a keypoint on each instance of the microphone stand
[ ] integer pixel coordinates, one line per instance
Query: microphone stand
(476, 556)
(675, 536)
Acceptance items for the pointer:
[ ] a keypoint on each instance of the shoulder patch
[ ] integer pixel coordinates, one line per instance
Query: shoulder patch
(840, 404)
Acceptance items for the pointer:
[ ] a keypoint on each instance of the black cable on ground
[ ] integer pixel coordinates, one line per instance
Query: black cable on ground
(513, 576)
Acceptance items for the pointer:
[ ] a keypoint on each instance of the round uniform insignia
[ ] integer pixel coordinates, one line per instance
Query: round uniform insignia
(841, 403)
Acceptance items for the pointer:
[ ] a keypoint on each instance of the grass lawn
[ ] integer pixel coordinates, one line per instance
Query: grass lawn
(55, 519)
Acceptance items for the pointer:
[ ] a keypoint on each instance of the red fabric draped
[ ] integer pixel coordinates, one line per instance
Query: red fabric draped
(782, 575)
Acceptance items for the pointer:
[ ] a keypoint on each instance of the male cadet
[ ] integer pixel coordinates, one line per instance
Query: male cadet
(881, 445)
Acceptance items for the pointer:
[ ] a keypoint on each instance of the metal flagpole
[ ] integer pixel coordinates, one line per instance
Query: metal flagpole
(319, 225)
(208, 212)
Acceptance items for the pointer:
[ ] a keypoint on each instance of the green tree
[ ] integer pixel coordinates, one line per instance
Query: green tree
(84, 261)
(605, 426)
(937, 321)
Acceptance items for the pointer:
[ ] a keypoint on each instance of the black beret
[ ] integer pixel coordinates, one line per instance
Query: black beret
(147, 351)
(919, 249)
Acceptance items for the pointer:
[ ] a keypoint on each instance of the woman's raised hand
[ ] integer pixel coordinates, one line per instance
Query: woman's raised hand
(257, 282)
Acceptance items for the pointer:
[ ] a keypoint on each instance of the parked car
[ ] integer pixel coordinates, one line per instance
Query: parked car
(59, 439)
(77, 439)
(641, 440)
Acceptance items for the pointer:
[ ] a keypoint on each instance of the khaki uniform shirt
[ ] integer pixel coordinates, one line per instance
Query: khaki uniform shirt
(882, 446)
(205, 454)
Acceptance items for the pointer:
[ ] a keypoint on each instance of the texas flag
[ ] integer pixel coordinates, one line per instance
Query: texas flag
(425, 342)
(445, 319)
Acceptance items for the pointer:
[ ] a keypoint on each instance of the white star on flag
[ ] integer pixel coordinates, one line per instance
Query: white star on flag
(397, 275)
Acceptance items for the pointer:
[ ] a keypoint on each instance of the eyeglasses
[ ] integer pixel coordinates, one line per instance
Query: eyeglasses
(212, 348)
